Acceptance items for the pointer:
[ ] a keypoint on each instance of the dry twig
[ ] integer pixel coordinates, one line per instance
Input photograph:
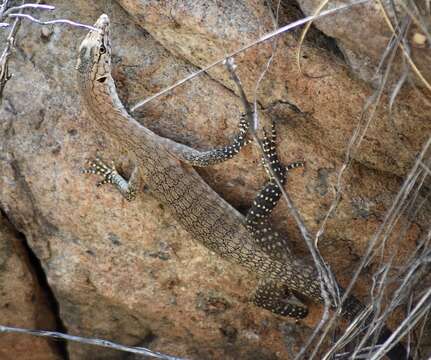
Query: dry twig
(15, 14)
(89, 341)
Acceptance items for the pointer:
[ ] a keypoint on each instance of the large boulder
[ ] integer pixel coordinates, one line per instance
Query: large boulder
(127, 271)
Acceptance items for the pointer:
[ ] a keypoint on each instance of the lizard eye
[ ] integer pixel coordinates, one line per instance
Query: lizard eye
(102, 49)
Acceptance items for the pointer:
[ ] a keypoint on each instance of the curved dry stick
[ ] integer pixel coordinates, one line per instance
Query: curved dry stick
(51, 22)
(89, 341)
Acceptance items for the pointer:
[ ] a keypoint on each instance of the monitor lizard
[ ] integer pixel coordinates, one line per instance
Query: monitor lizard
(167, 170)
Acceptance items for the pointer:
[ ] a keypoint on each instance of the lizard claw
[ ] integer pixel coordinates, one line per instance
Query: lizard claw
(98, 167)
(110, 176)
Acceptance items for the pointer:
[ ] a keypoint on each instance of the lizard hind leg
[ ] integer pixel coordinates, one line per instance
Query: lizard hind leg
(270, 149)
(257, 217)
(279, 300)
(110, 175)
(270, 194)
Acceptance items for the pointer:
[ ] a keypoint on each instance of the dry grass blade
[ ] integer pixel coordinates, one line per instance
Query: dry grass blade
(409, 277)
(305, 31)
(403, 48)
(403, 208)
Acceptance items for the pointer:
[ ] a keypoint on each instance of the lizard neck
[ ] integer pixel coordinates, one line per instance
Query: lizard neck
(106, 109)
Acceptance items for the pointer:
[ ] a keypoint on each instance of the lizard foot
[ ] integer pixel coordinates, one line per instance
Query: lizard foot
(110, 176)
(279, 300)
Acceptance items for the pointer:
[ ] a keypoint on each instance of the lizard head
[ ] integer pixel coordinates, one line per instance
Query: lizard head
(95, 52)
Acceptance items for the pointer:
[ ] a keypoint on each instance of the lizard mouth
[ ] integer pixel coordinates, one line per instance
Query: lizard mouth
(102, 23)
(101, 34)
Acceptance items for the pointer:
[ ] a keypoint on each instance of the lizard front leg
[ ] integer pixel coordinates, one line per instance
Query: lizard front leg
(127, 188)
(198, 158)
(271, 295)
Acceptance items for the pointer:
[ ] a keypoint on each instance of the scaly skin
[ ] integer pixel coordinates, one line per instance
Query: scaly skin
(164, 167)
(198, 208)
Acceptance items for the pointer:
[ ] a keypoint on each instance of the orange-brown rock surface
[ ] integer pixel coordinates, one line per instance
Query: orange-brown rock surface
(23, 301)
(127, 271)
(362, 33)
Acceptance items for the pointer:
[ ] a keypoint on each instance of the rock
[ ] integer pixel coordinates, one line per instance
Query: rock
(362, 34)
(23, 302)
(126, 271)
(318, 105)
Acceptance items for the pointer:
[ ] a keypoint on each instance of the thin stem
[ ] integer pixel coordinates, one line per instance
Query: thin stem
(89, 341)
(51, 22)
(326, 278)
(242, 49)
(27, 6)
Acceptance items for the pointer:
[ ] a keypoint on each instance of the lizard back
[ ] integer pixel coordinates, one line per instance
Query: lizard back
(198, 208)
